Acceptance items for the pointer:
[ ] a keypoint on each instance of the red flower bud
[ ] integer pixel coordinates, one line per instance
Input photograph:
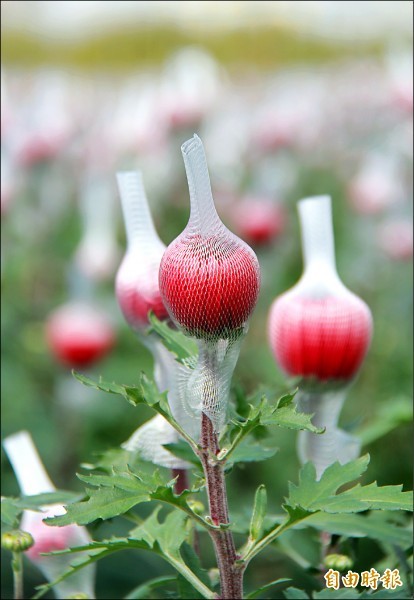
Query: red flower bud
(209, 278)
(78, 335)
(258, 221)
(319, 329)
(137, 288)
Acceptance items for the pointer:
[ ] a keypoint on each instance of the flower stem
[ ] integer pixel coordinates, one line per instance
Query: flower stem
(182, 482)
(231, 573)
(17, 566)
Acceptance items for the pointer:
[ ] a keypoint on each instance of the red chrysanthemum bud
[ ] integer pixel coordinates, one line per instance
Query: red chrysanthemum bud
(137, 288)
(79, 334)
(209, 278)
(319, 329)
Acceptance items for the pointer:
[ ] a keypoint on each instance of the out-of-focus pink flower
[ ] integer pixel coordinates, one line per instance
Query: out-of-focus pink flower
(375, 187)
(395, 238)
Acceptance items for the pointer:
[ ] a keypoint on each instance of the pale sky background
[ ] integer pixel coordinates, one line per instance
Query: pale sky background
(340, 19)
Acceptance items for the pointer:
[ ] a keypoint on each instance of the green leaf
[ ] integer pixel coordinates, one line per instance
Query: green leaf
(290, 418)
(259, 512)
(185, 589)
(143, 591)
(146, 393)
(10, 512)
(57, 497)
(265, 588)
(165, 539)
(103, 503)
(313, 495)
(182, 450)
(374, 525)
(250, 451)
(310, 492)
(182, 346)
(281, 413)
(92, 556)
(293, 593)
(12, 508)
(124, 481)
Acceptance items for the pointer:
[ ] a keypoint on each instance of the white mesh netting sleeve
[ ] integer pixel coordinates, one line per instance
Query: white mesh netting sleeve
(320, 331)
(137, 292)
(33, 479)
(209, 282)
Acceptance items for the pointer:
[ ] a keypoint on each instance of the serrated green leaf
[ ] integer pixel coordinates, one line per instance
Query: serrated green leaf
(373, 525)
(46, 499)
(182, 346)
(250, 451)
(265, 588)
(287, 399)
(293, 593)
(146, 393)
(388, 497)
(164, 539)
(290, 418)
(182, 450)
(259, 512)
(313, 495)
(310, 492)
(281, 413)
(103, 503)
(10, 512)
(95, 551)
(143, 591)
(124, 481)
(167, 538)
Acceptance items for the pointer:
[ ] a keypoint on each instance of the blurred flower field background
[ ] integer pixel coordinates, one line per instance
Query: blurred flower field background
(291, 99)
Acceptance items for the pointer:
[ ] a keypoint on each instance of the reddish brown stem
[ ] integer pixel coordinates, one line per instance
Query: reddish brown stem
(231, 574)
(181, 483)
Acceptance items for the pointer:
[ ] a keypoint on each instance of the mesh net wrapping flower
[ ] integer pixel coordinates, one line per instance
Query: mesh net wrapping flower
(137, 291)
(209, 282)
(320, 331)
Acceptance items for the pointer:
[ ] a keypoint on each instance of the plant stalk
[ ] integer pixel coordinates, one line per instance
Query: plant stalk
(17, 566)
(182, 482)
(231, 573)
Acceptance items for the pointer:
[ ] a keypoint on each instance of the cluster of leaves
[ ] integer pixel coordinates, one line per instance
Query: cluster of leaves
(118, 484)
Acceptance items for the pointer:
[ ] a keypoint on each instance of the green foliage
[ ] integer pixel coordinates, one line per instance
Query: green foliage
(12, 508)
(182, 346)
(312, 495)
(162, 538)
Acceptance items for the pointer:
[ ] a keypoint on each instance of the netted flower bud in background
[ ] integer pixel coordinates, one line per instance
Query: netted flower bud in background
(137, 289)
(209, 281)
(97, 252)
(138, 293)
(79, 334)
(320, 331)
(33, 480)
